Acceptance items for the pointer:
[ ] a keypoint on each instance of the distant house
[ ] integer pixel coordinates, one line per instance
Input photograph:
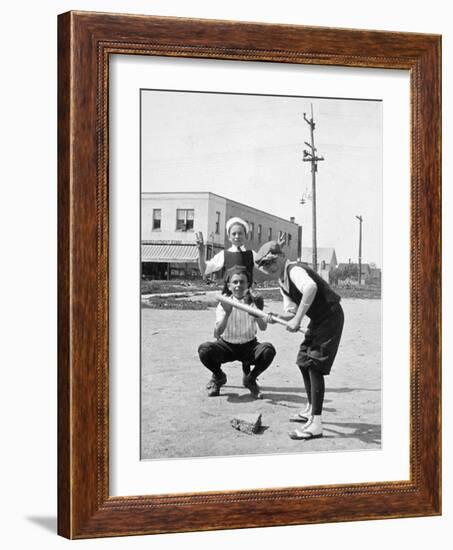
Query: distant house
(365, 272)
(375, 275)
(354, 269)
(370, 274)
(326, 259)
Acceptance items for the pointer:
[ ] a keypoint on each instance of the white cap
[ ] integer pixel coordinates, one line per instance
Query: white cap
(239, 221)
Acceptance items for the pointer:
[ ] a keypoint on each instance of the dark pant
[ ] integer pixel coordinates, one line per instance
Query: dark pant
(317, 353)
(214, 354)
(320, 345)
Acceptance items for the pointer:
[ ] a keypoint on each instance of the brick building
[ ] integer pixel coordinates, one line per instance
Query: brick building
(169, 222)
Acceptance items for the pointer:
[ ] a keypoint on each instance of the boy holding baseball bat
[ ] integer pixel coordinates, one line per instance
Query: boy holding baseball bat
(235, 331)
(306, 293)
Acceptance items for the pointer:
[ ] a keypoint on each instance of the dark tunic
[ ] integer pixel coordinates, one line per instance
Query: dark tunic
(243, 258)
(320, 345)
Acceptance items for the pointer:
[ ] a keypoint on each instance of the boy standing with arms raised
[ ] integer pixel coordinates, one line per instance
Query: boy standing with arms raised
(237, 230)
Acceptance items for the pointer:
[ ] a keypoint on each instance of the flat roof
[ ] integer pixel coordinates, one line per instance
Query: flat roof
(220, 197)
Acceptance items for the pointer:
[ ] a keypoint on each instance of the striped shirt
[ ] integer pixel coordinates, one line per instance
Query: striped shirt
(241, 327)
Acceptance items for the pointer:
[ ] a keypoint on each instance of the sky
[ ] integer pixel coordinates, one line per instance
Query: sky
(249, 148)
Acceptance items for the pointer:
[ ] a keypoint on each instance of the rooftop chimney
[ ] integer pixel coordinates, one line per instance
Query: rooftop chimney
(292, 219)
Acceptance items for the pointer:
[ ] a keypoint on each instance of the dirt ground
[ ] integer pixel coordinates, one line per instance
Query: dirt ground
(180, 420)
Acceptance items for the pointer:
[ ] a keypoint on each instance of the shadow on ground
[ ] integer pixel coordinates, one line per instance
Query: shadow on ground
(349, 390)
(283, 396)
(276, 396)
(368, 433)
(49, 523)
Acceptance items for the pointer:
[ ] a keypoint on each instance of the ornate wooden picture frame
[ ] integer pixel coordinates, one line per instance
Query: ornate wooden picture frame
(85, 507)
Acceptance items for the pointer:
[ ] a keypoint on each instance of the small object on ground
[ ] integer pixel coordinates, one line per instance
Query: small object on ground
(247, 423)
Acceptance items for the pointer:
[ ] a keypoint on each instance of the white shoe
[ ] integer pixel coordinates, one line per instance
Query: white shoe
(311, 430)
(302, 416)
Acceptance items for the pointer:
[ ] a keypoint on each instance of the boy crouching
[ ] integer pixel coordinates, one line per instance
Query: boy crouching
(235, 331)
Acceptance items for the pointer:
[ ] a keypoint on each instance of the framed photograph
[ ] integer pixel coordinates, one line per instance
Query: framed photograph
(226, 192)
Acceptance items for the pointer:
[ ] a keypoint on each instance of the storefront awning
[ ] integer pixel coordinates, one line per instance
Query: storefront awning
(169, 253)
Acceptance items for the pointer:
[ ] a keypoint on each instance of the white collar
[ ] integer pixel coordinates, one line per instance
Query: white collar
(234, 248)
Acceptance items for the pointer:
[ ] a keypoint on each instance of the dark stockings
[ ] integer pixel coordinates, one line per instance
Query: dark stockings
(315, 388)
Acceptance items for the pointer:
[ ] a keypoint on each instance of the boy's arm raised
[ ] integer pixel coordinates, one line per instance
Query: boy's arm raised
(201, 253)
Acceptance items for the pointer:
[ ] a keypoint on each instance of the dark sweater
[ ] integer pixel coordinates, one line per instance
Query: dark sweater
(325, 297)
(243, 258)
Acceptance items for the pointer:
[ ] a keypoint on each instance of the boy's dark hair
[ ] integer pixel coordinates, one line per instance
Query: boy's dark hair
(235, 270)
(249, 298)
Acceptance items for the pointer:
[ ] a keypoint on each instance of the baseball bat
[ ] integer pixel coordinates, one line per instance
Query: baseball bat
(252, 310)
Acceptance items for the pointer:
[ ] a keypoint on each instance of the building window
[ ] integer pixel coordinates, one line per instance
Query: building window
(184, 219)
(289, 237)
(270, 234)
(157, 218)
(260, 232)
(217, 223)
(252, 231)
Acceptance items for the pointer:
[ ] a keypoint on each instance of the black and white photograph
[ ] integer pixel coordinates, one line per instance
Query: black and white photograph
(261, 272)
(142, 141)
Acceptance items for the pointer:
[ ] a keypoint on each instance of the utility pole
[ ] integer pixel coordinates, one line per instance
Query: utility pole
(360, 248)
(310, 156)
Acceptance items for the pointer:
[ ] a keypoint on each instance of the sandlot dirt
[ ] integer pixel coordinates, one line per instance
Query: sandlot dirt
(180, 420)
